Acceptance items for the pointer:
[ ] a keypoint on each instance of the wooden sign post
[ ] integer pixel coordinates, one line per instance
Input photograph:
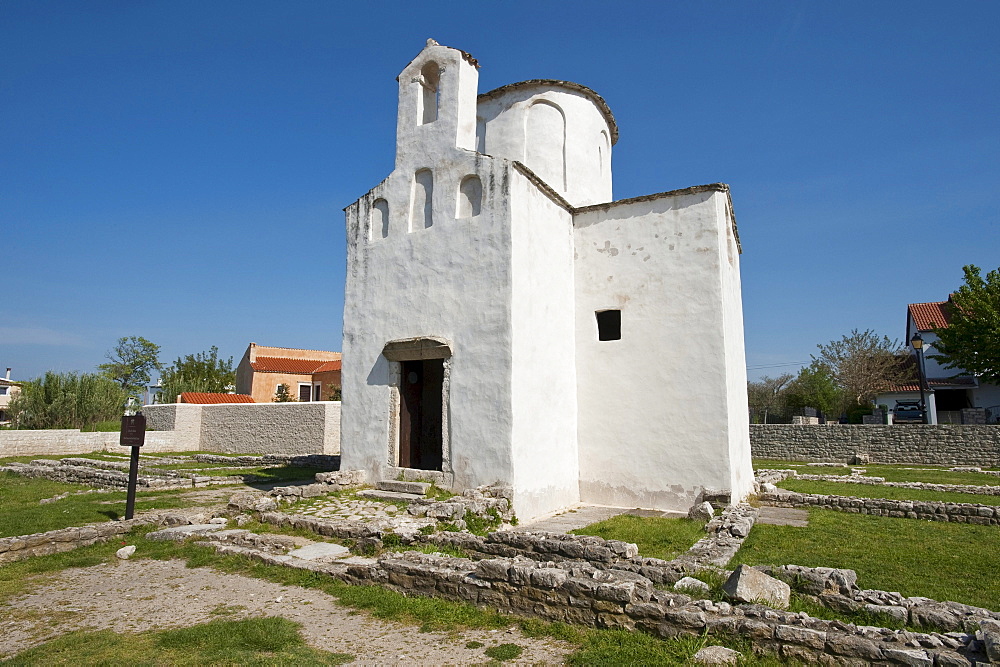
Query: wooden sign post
(133, 435)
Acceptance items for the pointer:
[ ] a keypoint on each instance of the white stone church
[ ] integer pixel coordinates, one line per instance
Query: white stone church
(506, 321)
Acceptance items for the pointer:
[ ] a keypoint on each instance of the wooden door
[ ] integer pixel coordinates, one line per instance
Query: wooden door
(420, 414)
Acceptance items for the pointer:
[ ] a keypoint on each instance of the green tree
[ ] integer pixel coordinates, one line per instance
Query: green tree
(971, 341)
(863, 364)
(815, 387)
(131, 362)
(767, 396)
(203, 372)
(282, 395)
(67, 400)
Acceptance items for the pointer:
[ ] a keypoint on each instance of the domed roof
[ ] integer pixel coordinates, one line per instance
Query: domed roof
(567, 85)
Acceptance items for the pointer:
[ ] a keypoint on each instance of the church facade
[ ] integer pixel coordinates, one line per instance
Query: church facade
(506, 321)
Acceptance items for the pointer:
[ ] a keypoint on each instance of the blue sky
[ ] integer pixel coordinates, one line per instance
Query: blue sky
(177, 170)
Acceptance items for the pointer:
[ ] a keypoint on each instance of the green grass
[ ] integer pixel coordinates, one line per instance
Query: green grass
(100, 456)
(931, 476)
(655, 537)
(943, 561)
(503, 652)
(251, 641)
(190, 465)
(911, 472)
(612, 648)
(888, 492)
(22, 514)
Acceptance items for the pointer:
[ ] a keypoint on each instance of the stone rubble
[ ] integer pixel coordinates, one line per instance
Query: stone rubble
(578, 592)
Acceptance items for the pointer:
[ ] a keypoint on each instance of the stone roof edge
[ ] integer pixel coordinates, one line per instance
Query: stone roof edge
(545, 188)
(569, 85)
(694, 189)
(355, 202)
(466, 56)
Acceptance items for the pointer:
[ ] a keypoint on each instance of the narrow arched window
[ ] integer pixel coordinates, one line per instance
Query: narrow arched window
(430, 88)
(422, 209)
(480, 135)
(604, 153)
(380, 219)
(470, 197)
(545, 143)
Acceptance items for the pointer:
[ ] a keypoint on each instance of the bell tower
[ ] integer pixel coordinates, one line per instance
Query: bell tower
(437, 106)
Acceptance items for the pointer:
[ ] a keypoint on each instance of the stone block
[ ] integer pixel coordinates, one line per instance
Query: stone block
(548, 577)
(685, 618)
(692, 585)
(989, 631)
(749, 585)
(853, 647)
(716, 655)
(177, 533)
(520, 573)
(321, 552)
(934, 615)
(495, 569)
(801, 636)
(914, 657)
(644, 610)
(620, 592)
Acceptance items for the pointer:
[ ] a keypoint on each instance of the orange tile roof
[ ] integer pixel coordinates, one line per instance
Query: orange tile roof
(328, 366)
(206, 398)
(934, 383)
(295, 366)
(927, 316)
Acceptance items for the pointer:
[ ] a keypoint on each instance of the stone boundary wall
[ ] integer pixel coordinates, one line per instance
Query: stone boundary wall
(945, 444)
(20, 547)
(71, 441)
(65, 539)
(578, 593)
(288, 429)
(986, 515)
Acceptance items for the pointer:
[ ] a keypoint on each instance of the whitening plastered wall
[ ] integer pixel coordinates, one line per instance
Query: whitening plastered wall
(654, 426)
(543, 381)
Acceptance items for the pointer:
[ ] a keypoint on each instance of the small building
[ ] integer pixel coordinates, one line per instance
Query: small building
(309, 375)
(506, 320)
(952, 395)
(8, 390)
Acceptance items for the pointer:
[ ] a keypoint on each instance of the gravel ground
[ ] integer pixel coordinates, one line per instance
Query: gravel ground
(139, 595)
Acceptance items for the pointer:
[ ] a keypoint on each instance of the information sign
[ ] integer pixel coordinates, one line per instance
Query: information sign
(133, 431)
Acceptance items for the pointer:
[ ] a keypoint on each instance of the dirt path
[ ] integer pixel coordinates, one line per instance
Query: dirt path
(139, 595)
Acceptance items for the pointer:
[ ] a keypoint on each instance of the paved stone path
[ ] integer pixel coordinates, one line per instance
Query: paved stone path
(581, 515)
(783, 516)
(346, 508)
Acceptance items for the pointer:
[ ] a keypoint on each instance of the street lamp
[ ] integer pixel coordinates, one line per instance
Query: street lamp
(918, 344)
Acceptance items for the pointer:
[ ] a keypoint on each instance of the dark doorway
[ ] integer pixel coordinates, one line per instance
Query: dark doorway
(420, 410)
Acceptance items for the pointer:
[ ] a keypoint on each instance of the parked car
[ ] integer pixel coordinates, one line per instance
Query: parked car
(908, 412)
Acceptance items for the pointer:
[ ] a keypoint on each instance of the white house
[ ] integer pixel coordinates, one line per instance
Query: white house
(506, 321)
(947, 391)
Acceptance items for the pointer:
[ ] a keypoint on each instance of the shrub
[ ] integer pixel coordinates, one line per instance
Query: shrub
(67, 400)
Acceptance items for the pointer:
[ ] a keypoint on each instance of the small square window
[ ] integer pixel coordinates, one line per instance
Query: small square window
(609, 324)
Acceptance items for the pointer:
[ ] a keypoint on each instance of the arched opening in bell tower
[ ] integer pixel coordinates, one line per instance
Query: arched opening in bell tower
(430, 93)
